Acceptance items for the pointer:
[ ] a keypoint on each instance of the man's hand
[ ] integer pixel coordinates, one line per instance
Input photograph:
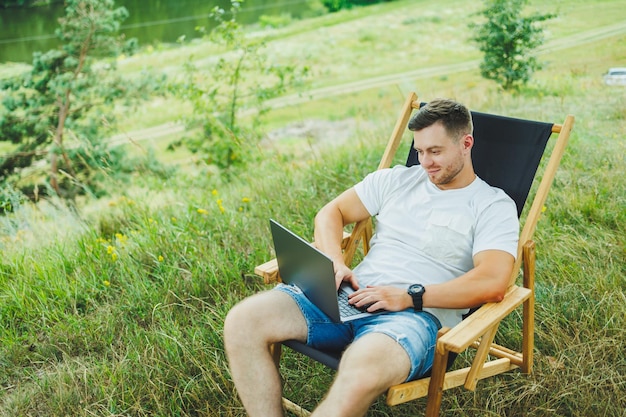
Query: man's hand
(381, 298)
(343, 273)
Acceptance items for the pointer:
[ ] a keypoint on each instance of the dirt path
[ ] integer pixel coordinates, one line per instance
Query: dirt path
(576, 40)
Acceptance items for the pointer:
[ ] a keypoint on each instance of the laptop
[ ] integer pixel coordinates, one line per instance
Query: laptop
(303, 265)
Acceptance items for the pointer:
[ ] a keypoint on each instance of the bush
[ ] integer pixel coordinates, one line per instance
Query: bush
(507, 40)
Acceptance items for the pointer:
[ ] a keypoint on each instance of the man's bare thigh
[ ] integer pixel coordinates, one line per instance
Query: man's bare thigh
(272, 313)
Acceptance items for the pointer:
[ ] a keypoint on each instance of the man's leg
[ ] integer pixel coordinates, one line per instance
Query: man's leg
(251, 327)
(369, 366)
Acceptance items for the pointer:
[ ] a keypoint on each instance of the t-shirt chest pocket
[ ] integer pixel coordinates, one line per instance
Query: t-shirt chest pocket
(458, 224)
(449, 237)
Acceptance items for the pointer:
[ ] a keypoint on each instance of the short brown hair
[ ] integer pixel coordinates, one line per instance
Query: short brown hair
(454, 116)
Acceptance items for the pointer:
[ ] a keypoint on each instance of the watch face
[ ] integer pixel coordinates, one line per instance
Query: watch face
(416, 289)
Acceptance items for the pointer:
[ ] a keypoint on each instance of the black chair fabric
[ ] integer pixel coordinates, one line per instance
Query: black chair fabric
(329, 358)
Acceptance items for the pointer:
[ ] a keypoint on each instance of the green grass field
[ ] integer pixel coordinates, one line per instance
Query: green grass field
(118, 311)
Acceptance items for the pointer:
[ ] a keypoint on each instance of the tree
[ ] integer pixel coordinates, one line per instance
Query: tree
(242, 74)
(62, 97)
(507, 40)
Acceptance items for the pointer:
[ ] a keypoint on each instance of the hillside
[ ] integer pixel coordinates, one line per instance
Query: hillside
(116, 306)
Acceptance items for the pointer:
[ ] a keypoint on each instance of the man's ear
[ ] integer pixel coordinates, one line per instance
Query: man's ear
(468, 142)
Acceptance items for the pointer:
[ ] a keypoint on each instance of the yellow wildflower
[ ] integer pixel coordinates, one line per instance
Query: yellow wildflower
(245, 200)
(121, 238)
(106, 283)
(214, 192)
(160, 258)
(202, 211)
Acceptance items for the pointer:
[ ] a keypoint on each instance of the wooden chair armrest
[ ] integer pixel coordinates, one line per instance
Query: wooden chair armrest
(269, 270)
(469, 330)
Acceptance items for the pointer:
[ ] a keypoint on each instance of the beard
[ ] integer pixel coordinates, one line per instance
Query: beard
(446, 175)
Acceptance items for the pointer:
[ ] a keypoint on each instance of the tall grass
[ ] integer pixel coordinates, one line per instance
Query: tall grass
(123, 314)
(118, 310)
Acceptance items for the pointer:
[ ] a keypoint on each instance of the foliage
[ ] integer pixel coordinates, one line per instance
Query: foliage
(15, 3)
(10, 199)
(55, 111)
(336, 5)
(507, 40)
(243, 78)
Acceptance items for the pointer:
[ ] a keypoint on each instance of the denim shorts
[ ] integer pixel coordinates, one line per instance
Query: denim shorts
(415, 331)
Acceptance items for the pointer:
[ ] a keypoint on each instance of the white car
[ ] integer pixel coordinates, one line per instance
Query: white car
(615, 76)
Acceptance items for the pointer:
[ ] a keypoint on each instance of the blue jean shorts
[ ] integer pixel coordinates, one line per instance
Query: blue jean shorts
(415, 331)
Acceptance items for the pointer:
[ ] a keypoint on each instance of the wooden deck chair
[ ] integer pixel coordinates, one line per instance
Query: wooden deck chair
(506, 154)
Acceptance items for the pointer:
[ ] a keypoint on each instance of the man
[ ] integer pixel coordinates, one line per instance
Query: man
(445, 241)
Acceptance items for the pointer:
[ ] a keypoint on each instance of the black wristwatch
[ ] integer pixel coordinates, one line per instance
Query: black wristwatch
(416, 291)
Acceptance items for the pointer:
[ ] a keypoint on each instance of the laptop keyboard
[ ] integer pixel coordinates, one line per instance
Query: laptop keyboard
(346, 309)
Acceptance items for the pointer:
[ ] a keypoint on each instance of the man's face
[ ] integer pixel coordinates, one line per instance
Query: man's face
(443, 159)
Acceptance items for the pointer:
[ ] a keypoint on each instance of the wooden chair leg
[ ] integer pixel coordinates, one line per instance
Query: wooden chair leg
(528, 328)
(437, 377)
(295, 408)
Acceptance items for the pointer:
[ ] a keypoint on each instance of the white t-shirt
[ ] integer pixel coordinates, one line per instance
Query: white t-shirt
(427, 235)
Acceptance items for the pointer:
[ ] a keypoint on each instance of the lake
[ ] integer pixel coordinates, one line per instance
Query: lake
(27, 30)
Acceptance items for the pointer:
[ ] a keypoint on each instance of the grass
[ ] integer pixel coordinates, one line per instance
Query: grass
(119, 310)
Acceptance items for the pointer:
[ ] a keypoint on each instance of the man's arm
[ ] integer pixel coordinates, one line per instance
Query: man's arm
(329, 223)
(486, 282)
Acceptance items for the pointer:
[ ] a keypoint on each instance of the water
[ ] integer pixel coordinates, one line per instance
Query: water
(27, 30)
